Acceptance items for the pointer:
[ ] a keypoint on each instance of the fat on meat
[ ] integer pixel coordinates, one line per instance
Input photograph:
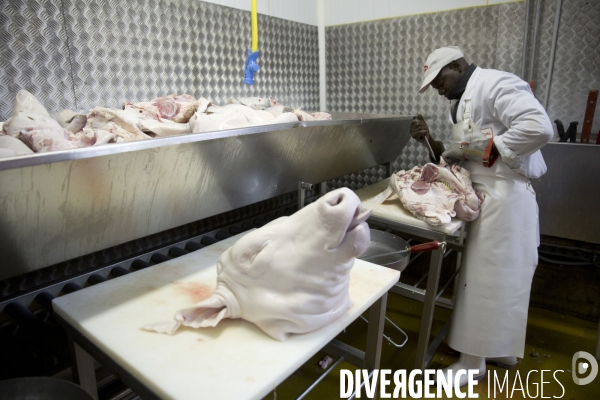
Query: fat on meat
(122, 124)
(12, 147)
(258, 103)
(303, 261)
(434, 193)
(25, 101)
(176, 108)
(232, 116)
(38, 131)
(72, 120)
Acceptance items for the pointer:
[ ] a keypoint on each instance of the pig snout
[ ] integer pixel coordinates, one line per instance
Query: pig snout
(338, 209)
(340, 214)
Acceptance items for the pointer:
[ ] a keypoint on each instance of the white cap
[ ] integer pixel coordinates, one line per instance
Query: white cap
(436, 61)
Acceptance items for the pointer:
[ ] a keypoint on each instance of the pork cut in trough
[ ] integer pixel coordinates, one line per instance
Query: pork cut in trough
(176, 108)
(38, 131)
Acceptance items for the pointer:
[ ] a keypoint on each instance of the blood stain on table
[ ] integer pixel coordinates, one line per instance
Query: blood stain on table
(195, 291)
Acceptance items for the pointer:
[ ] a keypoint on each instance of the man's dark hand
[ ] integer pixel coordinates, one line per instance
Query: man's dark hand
(419, 129)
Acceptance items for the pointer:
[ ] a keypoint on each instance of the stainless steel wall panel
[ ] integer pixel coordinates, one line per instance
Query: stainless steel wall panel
(376, 66)
(543, 49)
(142, 49)
(62, 205)
(577, 62)
(104, 52)
(509, 37)
(34, 54)
(568, 193)
(134, 50)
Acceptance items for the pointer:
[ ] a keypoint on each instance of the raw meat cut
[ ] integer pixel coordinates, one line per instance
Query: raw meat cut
(434, 193)
(45, 139)
(164, 127)
(25, 101)
(71, 120)
(38, 131)
(163, 116)
(258, 103)
(320, 115)
(123, 125)
(232, 116)
(177, 108)
(12, 147)
(291, 275)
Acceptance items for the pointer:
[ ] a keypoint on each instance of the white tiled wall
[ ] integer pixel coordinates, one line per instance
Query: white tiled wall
(304, 11)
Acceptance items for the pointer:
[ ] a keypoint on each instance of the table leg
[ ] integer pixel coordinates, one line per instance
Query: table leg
(435, 266)
(84, 372)
(375, 333)
(375, 336)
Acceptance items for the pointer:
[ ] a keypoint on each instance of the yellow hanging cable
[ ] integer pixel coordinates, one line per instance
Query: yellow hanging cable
(254, 27)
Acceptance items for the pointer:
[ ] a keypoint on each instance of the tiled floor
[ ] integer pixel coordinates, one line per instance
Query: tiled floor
(552, 339)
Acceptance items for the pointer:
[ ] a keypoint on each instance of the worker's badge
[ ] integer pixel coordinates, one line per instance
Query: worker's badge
(488, 132)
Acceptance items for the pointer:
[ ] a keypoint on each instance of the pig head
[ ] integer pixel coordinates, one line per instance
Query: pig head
(291, 275)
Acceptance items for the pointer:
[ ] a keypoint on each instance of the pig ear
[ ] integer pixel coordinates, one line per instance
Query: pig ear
(206, 313)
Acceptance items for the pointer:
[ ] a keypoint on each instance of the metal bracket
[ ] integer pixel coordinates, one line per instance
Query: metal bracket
(388, 169)
(302, 188)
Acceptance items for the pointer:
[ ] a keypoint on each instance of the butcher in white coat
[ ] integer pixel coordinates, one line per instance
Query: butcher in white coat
(498, 130)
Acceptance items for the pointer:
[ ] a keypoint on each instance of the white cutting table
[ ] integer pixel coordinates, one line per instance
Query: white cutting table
(393, 210)
(234, 360)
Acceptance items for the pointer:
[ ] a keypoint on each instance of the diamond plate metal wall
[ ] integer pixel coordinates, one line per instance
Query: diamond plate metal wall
(576, 63)
(543, 47)
(509, 37)
(34, 54)
(377, 66)
(85, 53)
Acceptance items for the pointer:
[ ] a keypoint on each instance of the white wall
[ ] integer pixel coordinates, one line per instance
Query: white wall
(349, 11)
(304, 11)
(339, 12)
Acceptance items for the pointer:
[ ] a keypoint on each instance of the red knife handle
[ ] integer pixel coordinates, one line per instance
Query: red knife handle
(419, 248)
(489, 158)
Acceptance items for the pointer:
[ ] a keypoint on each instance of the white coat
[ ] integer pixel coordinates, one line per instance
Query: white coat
(492, 297)
(503, 107)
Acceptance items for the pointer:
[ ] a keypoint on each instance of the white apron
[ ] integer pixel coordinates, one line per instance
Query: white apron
(492, 298)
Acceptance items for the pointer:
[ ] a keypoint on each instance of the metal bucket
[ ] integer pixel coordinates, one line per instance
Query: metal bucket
(384, 243)
(42, 388)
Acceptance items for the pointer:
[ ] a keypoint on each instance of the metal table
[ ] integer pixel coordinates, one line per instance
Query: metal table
(455, 239)
(431, 295)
